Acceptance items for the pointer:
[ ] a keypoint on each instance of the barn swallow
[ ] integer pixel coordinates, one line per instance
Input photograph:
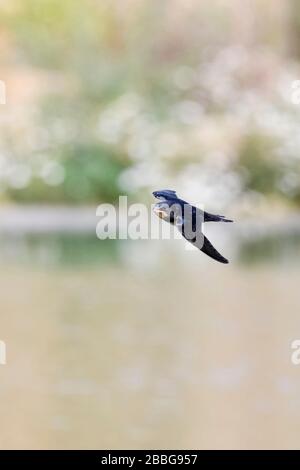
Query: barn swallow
(188, 219)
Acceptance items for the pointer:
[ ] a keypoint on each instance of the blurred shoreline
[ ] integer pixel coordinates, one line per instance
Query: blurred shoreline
(66, 234)
(39, 219)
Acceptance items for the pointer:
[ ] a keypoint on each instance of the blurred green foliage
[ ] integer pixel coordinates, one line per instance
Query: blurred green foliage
(258, 164)
(185, 77)
(90, 173)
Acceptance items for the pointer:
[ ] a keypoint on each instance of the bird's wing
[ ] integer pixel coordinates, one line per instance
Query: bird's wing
(203, 244)
(210, 250)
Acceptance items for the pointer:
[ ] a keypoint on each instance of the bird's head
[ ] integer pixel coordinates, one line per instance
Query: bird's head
(169, 212)
(165, 194)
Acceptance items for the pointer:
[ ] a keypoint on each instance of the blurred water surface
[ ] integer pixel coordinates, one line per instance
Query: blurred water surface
(174, 351)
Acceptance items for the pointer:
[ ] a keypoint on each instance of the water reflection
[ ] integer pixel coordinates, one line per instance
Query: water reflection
(271, 248)
(59, 249)
(264, 243)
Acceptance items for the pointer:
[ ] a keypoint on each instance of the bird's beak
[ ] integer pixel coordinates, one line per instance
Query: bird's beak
(160, 212)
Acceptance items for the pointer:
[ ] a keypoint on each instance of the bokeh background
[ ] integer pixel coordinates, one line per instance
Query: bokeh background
(143, 344)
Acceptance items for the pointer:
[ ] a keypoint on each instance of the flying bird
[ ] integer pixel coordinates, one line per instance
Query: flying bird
(188, 219)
